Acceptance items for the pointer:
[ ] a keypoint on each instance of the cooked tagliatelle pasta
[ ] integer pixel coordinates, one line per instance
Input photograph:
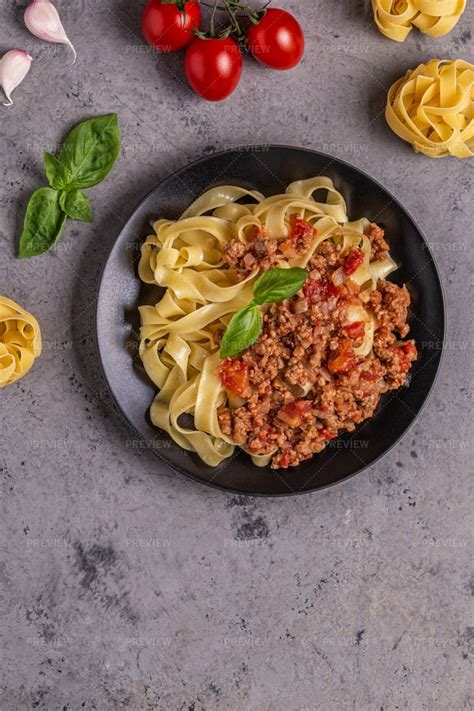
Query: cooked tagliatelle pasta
(323, 357)
(20, 341)
(396, 18)
(432, 107)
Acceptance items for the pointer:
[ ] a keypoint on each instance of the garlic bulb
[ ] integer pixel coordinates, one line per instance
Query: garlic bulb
(14, 66)
(42, 20)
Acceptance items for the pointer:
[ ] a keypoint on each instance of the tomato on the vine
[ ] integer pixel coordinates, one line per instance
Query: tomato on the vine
(213, 67)
(169, 26)
(276, 40)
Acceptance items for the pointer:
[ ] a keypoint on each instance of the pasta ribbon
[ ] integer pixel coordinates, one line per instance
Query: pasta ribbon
(432, 107)
(20, 341)
(396, 18)
(179, 336)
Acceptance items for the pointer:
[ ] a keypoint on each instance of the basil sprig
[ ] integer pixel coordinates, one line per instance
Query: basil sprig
(86, 158)
(245, 326)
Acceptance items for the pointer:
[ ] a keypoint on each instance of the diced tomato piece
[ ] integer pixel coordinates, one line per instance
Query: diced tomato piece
(284, 460)
(370, 377)
(288, 249)
(263, 435)
(300, 229)
(332, 290)
(341, 363)
(408, 354)
(404, 362)
(301, 234)
(257, 443)
(328, 434)
(294, 413)
(320, 290)
(410, 350)
(353, 261)
(234, 376)
(344, 360)
(374, 372)
(258, 231)
(355, 330)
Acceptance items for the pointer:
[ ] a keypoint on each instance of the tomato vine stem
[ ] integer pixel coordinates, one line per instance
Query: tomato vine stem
(236, 12)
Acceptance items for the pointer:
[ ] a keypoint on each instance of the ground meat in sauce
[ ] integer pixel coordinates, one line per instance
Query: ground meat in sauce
(262, 253)
(379, 246)
(246, 258)
(301, 382)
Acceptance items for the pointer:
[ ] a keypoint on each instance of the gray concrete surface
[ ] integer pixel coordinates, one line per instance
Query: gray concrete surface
(129, 587)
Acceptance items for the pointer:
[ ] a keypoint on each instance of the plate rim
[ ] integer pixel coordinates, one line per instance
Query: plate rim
(246, 149)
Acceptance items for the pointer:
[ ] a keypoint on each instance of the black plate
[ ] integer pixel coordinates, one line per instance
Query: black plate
(270, 169)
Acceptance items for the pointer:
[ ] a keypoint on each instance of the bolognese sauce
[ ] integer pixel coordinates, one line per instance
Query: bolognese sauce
(303, 381)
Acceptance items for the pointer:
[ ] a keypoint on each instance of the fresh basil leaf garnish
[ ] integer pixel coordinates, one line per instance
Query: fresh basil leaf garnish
(90, 151)
(242, 331)
(76, 205)
(276, 285)
(44, 223)
(56, 172)
(271, 287)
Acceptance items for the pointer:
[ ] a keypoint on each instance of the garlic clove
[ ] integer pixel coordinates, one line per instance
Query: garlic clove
(42, 19)
(14, 66)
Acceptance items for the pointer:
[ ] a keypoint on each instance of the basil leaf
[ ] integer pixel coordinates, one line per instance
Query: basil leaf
(44, 223)
(76, 205)
(91, 150)
(277, 284)
(56, 172)
(242, 331)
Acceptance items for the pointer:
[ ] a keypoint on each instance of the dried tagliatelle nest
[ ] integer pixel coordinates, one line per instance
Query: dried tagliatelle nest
(396, 18)
(432, 108)
(20, 341)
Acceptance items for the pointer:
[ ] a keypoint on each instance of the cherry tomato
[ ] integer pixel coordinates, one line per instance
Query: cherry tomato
(213, 67)
(277, 40)
(169, 27)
